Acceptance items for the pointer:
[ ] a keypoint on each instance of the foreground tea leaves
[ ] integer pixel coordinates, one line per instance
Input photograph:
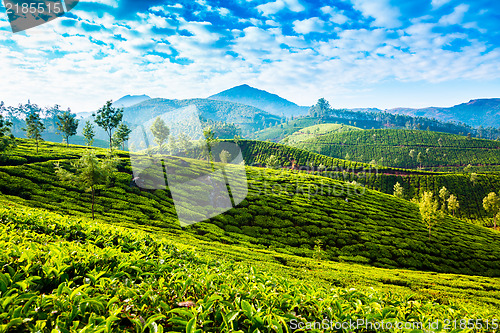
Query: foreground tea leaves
(63, 274)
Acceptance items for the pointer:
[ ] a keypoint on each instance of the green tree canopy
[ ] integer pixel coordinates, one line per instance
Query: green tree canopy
(398, 190)
(121, 135)
(108, 118)
(429, 210)
(6, 138)
(34, 127)
(67, 125)
(453, 204)
(90, 171)
(89, 133)
(160, 131)
(491, 203)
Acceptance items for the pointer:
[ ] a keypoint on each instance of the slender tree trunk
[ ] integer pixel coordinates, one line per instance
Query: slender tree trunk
(36, 145)
(93, 200)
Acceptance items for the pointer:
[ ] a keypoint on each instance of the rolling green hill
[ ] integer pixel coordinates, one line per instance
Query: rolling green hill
(370, 227)
(470, 193)
(393, 147)
(279, 132)
(315, 131)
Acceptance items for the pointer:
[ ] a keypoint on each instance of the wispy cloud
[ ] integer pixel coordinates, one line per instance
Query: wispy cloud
(278, 5)
(383, 13)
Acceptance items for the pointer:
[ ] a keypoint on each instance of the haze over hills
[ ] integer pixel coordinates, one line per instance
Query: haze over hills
(261, 99)
(477, 112)
(129, 100)
(230, 112)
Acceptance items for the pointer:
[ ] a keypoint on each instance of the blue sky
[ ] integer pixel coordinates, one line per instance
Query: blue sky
(355, 53)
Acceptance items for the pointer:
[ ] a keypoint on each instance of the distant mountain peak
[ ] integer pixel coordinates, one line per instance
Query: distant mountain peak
(130, 100)
(272, 103)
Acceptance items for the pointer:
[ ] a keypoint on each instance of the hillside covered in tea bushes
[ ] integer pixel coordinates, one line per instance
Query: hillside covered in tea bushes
(346, 221)
(401, 149)
(470, 191)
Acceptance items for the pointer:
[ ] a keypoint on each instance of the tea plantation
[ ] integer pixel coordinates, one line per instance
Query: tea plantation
(312, 132)
(290, 211)
(394, 148)
(68, 274)
(381, 178)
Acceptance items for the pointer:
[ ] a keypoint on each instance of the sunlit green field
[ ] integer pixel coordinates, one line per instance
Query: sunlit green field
(283, 256)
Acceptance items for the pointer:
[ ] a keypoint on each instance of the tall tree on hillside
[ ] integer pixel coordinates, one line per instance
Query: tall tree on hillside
(273, 162)
(443, 195)
(420, 159)
(6, 138)
(468, 168)
(34, 127)
(429, 210)
(321, 108)
(160, 131)
(473, 178)
(67, 125)
(108, 118)
(121, 135)
(224, 156)
(89, 133)
(412, 153)
(90, 172)
(453, 204)
(491, 203)
(209, 135)
(398, 190)
(210, 139)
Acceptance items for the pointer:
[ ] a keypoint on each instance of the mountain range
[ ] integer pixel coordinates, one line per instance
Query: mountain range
(477, 112)
(244, 105)
(129, 100)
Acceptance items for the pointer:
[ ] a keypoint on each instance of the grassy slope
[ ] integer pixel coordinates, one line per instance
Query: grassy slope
(415, 182)
(78, 276)
(277, 133)
(394, 147)
(372, 228)
(315, 131)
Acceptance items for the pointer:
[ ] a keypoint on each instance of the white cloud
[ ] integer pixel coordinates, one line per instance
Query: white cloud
(85, 74)
(223, 11)
(313, 24)
(381, 10)
(272, 23)
(271, 8)
(439, 3)
(336, 16)
(456, 17)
